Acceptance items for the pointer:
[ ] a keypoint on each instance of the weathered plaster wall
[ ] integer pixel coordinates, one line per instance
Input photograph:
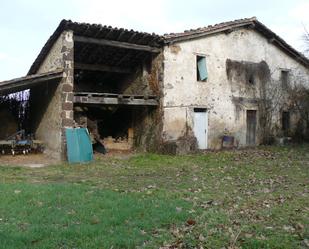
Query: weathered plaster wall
(182, 92)
(52, 106)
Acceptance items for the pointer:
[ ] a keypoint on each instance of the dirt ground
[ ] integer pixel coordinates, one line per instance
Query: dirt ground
(42, 160)
(30, 160)
(120, 154)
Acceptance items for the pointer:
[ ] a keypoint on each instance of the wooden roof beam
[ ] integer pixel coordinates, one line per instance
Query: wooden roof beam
(102, 68)
(118, 44)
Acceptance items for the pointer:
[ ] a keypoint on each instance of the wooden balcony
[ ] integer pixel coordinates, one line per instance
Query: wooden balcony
(115, 99)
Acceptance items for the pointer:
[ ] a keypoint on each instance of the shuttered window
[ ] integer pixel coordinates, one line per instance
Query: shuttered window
(202, 73)
(284, 79)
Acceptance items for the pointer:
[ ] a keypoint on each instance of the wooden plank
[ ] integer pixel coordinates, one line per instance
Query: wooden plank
(102, 68)
(124, 58)
(118, 44)
(251, 127)
(115, 101)
(95, 94)
(132, 96)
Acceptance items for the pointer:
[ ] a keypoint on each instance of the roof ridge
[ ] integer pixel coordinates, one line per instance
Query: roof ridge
(205, 28)
(223, 26)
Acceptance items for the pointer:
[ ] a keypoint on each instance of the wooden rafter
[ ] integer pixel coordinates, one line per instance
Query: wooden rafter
(102, 68)
(125, 45)
(124, 58)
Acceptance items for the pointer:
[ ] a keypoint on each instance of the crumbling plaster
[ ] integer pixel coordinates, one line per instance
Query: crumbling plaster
(182, 92)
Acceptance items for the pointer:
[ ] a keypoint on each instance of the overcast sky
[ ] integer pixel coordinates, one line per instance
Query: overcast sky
(25, 25)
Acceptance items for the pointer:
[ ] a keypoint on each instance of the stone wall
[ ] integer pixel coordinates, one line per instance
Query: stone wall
(67, 86)
(225, 97)
(147, 121)
(52, 105)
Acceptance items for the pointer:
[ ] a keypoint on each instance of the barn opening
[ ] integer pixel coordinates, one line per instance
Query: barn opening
(116, 86)
(17, 127)
(14, 112)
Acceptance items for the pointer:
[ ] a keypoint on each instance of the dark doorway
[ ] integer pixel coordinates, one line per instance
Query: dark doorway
(251, 127)
(285, 123)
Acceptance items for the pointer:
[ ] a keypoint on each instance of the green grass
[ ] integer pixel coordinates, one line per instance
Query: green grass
(244, 199)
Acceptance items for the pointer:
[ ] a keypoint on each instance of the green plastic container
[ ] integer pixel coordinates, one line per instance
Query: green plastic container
(79, 146)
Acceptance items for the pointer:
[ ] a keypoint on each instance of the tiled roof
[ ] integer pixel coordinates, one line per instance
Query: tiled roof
(227, 27)
(97, 31)
(131, 36)
(204, 30)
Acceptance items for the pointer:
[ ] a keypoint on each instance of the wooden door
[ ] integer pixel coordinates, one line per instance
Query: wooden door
(201, 127)
(251, 127)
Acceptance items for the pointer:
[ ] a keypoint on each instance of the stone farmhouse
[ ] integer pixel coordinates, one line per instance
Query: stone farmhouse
(223, 85)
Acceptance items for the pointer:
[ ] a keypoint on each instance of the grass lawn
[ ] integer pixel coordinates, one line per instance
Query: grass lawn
(244, 199)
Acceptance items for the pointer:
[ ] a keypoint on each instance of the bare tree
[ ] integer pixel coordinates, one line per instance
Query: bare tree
(276, 97)
(306, 41)
(299, 97)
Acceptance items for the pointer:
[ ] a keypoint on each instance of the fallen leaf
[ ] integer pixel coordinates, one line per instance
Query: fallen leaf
(191, 222)
(94, 220)
(299, 226)
(288, 228)
(306, 242)
(201, 237)
(178, 209)
(248, 235)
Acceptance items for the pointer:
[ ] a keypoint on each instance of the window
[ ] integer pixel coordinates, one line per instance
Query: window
(284, 79)
(285, 122)
(251, 79)
(201, 68)
(200, 110)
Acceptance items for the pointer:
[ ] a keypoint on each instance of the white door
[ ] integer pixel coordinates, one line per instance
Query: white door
(201, 127)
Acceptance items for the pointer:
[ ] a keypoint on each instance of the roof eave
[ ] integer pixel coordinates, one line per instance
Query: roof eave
(48, 45)
(282, 44)
(90, 28)
(182, 38)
